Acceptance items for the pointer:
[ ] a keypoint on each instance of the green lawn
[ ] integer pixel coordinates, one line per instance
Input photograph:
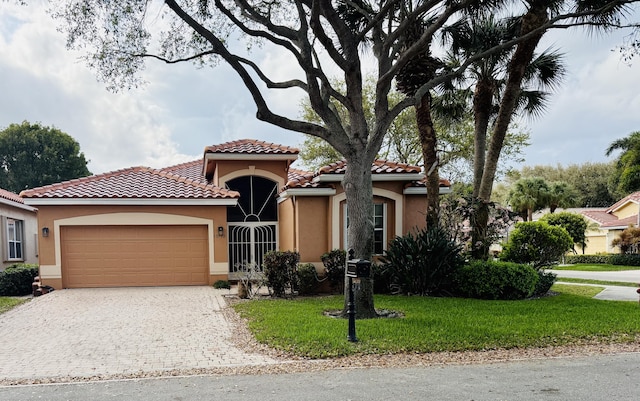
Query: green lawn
(7, 303)
(595, 267)
(442, 324)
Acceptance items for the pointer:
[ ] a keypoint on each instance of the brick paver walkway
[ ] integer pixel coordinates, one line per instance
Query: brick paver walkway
(118, 331)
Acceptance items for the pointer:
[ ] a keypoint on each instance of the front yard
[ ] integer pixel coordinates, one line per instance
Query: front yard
(443, 324)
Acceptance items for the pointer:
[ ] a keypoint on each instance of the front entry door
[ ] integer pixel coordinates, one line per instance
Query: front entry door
(248, 242)
(253, 223)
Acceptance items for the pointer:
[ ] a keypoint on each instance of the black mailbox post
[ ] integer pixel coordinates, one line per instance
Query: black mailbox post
(356, 268)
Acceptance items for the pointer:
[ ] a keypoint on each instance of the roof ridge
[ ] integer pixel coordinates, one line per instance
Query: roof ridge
(180, 165)
(188, 181)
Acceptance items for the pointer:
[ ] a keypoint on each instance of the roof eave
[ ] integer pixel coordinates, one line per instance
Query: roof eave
(250, 156)
(307, 192)
(374, 177)
(133, 201)
(18, 205)
(423, 191)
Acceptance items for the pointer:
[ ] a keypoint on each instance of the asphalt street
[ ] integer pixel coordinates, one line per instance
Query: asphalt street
(603, 377)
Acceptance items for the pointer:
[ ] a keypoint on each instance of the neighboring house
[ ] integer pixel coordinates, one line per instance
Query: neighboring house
(609, 223)
(18, 231)
(198, 222)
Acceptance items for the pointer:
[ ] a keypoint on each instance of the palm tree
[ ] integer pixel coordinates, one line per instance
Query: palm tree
(529, 195)
(561, 194)
(417, 72)
(627, 170)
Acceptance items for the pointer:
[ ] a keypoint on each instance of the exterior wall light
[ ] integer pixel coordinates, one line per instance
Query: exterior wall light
(220, 231)
(45, 231)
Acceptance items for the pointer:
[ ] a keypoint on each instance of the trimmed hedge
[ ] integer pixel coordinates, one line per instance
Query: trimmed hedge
(604, 259)
(307, 281)
(629, 259)
(17, 279)
(496, 280)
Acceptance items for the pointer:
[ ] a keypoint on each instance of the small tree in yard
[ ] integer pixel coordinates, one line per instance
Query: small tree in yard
(536, 243)
(629, 240)
(575, 225)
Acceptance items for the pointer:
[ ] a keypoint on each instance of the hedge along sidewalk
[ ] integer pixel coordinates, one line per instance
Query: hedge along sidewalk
(440, 324)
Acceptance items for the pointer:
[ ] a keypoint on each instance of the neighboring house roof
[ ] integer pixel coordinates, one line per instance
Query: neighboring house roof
(140, 184)
(11, 199)
(251, 147)
(633, 198)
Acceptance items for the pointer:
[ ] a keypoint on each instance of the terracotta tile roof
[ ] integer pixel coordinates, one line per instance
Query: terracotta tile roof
(302, 179)
(607, 219)
(10, 196)
(423, 183)
(191, 170)
(132, 183)
(377, 167)
(251, 146)
(634, 197)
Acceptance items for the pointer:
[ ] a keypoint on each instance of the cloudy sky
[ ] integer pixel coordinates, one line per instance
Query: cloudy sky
(183, 109)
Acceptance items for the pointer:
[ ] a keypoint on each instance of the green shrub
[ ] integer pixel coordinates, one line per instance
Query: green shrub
(307, 279)
(280, 271)
(222, 284)
(17, 279)
(604, 259)
(381, 279)
(496, 280)
(334, 263)
(545, 281)
(536, 243)
(629, 259)
(424, 264)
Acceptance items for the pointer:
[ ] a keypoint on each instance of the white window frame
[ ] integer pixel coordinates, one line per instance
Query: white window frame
(15, 239)
(345, 225)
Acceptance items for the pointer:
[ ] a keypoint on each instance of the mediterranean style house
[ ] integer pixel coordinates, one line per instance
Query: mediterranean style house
(202, 221)
(18, 231)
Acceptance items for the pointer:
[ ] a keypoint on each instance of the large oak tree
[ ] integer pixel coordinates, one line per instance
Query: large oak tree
(319, 37)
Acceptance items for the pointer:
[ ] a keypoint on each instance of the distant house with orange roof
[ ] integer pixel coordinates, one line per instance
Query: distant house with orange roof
(18, 231)
(202, 221)
(609, 222)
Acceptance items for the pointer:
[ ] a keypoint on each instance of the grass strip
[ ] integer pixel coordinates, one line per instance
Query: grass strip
(597, 282)
(595, 267)
(7, 303)
(440, 324)
(580, 290)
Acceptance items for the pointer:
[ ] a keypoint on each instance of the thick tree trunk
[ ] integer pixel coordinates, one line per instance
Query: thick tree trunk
(358, 188)
(428, 142)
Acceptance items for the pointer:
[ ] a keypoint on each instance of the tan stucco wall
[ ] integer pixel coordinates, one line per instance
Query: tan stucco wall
(30, 245)
(312, 228)
(286, 238)
(55, 216)
(414, 213)
(630, 209)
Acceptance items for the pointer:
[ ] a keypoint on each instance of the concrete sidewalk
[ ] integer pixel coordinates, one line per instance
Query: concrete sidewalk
(610, 292)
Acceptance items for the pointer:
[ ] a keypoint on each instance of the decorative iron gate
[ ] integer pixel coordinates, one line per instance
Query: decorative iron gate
(248, 242)
(252, 223)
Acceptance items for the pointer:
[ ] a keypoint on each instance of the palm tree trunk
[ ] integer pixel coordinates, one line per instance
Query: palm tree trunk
(523, 55)
(482, 104)
(428, 141)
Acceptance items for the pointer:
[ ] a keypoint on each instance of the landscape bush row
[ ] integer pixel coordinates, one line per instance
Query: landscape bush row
(17, 279)
(431, 263)
(618, 259)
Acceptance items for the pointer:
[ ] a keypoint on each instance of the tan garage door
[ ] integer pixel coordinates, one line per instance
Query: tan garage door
(119, 256)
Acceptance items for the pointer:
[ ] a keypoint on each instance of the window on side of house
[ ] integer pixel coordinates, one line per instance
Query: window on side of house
(379, 227)
(15, 239)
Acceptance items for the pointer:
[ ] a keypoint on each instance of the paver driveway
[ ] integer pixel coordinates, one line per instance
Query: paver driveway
(118, 331)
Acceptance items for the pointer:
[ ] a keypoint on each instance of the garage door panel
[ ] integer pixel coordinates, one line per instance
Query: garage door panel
(108, 256)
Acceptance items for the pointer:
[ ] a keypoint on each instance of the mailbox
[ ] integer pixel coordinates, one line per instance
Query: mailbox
(358, 268)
